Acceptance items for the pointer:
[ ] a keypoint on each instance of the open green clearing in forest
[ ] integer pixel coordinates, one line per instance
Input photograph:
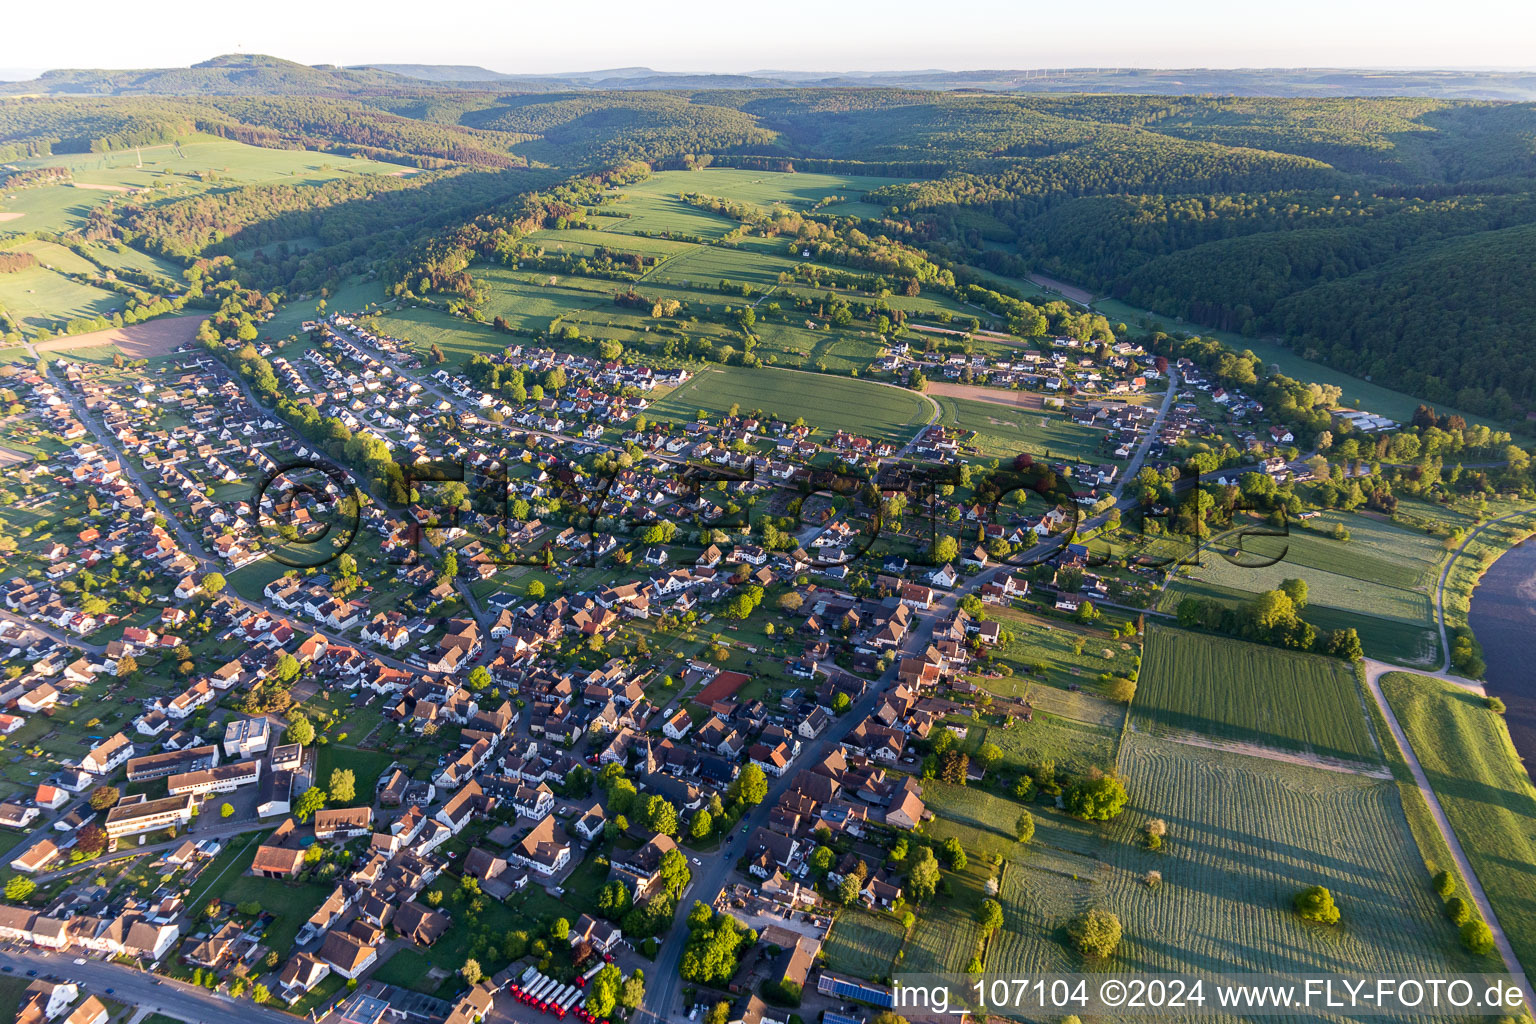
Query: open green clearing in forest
(53, 256)
(44, 299)
(828, 403)
(196, 164)
(1479, 780)
(654, 204)
(1238, 692)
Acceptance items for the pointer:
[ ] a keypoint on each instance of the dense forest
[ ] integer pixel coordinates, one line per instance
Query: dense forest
(1389, 237)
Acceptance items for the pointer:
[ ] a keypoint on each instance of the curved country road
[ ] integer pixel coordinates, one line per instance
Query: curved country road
(1374, 670)
(1445, 573)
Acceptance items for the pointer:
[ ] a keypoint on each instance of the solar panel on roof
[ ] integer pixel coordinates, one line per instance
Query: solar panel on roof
(863, 993)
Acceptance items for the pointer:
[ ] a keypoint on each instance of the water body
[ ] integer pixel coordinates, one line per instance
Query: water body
(1503, 615)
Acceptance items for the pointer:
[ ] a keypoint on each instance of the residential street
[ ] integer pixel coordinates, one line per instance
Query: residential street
(68, 639)
(193, 545)
(714, 871)
(138, 988)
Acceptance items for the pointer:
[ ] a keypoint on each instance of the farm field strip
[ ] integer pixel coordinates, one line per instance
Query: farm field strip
(1246, 834)
(1381, 581)
(1342, 559)
(1326, 587)
(1248, 693)
(1478, 778)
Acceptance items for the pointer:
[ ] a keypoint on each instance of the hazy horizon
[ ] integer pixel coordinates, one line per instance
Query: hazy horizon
(26, 73)
(688, 37)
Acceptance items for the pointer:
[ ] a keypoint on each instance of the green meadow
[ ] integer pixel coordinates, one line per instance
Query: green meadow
(825, 402)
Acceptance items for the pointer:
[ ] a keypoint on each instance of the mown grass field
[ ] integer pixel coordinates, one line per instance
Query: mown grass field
(863, 943)
(44, 299)
(529, 302)
(988, 819)
(828, 403)
(458, 339)
(54, 256)
(1075, 746)
(1482, 549)
(1239, 692)
(1040, 891)
(1477, 776)
(704, 266)
(947, 935)
(608, 235)
(128, 258)
(199, 163)
(658, 210)
(1379, 582)
(765, 188)
(1003, 431)
(794, 344)
(1385, 573)
(1385, 639)
(1245, 834)
(1046, 662)
(352, 297)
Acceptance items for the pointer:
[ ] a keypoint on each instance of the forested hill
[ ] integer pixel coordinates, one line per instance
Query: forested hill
(1390, 237)
(230, 75)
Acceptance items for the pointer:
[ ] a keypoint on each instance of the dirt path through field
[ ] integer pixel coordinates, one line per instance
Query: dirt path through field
(101, 188)
(1071, 291)
(1026, 400)
(10, 216)
(141, 341)
(1331, 764)
(1445, 574)
(1374, 670)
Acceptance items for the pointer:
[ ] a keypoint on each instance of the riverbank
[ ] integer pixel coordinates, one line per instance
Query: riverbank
(1503, 618)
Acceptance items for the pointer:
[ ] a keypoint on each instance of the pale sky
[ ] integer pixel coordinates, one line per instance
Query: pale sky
(806, 35)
